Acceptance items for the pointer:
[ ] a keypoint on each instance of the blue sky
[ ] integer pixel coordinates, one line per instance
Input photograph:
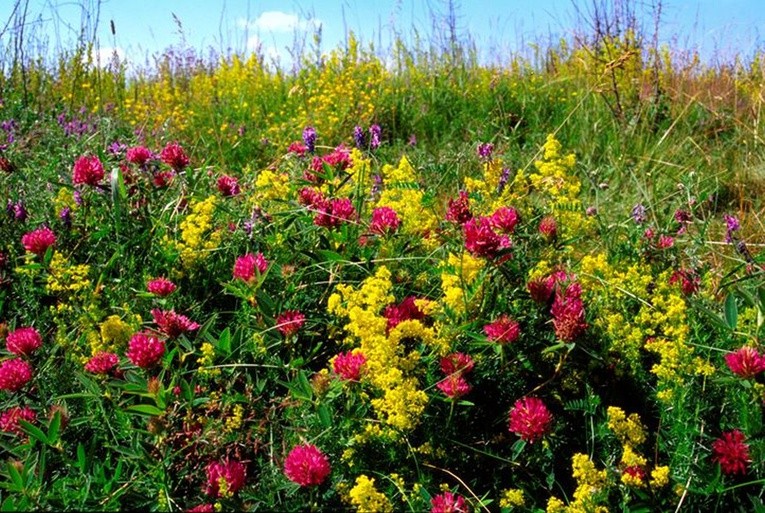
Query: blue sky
(144, 27)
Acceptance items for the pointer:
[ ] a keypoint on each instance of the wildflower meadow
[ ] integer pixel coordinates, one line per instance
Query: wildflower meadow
(410, 282)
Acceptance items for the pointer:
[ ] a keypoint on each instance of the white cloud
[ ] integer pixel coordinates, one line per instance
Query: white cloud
(106, 56)
(277, 21)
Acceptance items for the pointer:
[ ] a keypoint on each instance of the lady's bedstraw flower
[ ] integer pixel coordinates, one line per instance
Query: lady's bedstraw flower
(225, 478)
(23, 341)
(87, 170)
(161, 287)
(289, 322)
(731, 452)
(530, 419)
(306, 465)
(504, 330)
(14, 374)
(174, 156)
(145, 350)
(38, 241)
(746, 362)
(348, 365)
(448, 502)
(250, 266)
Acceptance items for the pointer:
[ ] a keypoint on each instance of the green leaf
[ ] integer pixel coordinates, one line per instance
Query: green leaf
(145, 409)
(324, 416)
(224, 341)
(731, 311)
(82, 461)
(15, 476)
(54, 428)
(33, 431)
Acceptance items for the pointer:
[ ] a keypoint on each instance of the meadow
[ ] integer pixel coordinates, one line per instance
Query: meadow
(412, 282)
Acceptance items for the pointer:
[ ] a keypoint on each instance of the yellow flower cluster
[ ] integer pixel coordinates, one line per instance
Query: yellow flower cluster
(66, 279)
(590, 483)
(367, 498)
(458, 281)
(654, 319)
(206, 360)
(555, 179)
(631, 433)
(270, 186)
(197, 235)
(115, 334)
(389, 367)
(512, 498)
(402, 194)
(235, 420)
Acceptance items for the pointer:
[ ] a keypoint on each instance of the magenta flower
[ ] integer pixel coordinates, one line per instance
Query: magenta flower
(174, 156)
(23, 341)
(732, 452)
(138, 155)
(228, 186)
(9, 419)
(289, 322)
(454, 386)
(504, 219)
(14, 374)
(231, 474)
(448, 502)
(247, 266)
(145, 350)
(384, 220)
(348, 365)
(481, 240)
(458, 210)
(457, 363)
(406, 310)
(38, 241)
(306, 465)
(173, 324)
(161, 287)
(87, 170)
(102, 363)
(745, 362)
(530, 419)
(503, 330)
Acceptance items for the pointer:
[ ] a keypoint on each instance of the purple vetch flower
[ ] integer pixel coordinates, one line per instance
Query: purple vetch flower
(374, 136)
(639, 214)
(377, 182)
(412, 140)
(77, 197)
(309, 138)
(66, 217)
(503, 179)
(732, 224)
(16, 210)
(358, 136)
(485, 150)
(116, 148)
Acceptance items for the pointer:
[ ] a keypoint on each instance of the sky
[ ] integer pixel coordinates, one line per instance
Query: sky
(719, 29)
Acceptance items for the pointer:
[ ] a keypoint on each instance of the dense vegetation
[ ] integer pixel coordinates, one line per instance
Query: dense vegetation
(404, 282)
